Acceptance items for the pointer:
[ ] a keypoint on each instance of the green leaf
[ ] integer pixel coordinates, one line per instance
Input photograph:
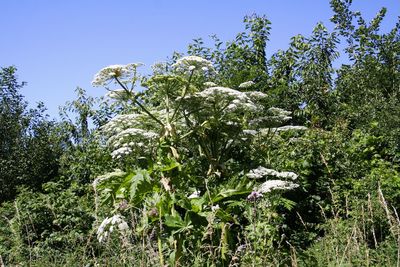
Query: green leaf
(287, 203)
(174, 221)
(227, 193)
(172, 165)
(197, 204)
(140, 185)
(225, 217)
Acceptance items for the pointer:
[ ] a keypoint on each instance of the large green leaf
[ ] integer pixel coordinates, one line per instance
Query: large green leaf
(227, 193)
(140, 184)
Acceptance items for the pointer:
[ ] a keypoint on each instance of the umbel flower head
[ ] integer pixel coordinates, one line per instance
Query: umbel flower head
(270, 185)
(118, 94)
(209, 84)
(193, 63)
(126, 141)
(261, 172)
(107, 176)
(246, 84)
(107, 74)
(229, 100)
(110, 224)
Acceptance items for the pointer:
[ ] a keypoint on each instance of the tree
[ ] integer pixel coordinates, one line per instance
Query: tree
(28, 146)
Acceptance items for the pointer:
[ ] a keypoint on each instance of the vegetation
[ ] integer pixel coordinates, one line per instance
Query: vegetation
(222, 157)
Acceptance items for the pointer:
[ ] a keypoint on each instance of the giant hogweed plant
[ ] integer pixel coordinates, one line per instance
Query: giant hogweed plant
(189, 166)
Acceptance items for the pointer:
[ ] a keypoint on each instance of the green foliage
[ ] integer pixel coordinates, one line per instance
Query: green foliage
(29, 149)
(241, 60)
(36, 222)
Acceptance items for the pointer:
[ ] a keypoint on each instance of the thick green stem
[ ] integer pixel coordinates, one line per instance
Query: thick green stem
(185, 90)
(140, 105)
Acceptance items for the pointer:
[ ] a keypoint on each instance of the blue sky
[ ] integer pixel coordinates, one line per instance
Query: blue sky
(59, 45)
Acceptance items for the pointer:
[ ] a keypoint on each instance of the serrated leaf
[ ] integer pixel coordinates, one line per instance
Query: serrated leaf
(140, 185)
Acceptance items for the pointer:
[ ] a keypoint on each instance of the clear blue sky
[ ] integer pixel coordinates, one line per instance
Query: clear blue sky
(58, 45)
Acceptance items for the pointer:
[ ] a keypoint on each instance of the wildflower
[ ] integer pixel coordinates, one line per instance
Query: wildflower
(132, 132)
(125, 142)
(254, 196)
(215, 208)
(289, 128)
(121, 122)
(105, 75)
(223, 91)
(261, 172)
(123, 205)
(209, 84)
(270, 185)
(269, 120)
(107, 227)
(302, 105)
(118, 94)
(256, 95)
(250, 132)
(153, 213)
(115, 173)
(195, 194)
(122, 151)
(191, 63)
(225, 100)
(238, 100)
(246, 84)
(279, 111)
(276, 116)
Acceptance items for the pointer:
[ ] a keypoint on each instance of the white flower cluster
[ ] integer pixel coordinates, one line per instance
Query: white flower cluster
(277, 130)
(289, 128)
(265, 121)
(246, 84)
(275, 116)
(128, 134)
(279, 112)
(237, 100)
(120, 123)
(126, 149)
(195, 194)
(250, 132)
(223, 91)
(127, 140)
(118, 94)
(108, 225)
(131, 132)
(254, 95)
(209, 84)
(236, 105)
(270, 185)
(105, 75)
(192, 63)
(215, 208)
(104, 177)
(261, 172)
